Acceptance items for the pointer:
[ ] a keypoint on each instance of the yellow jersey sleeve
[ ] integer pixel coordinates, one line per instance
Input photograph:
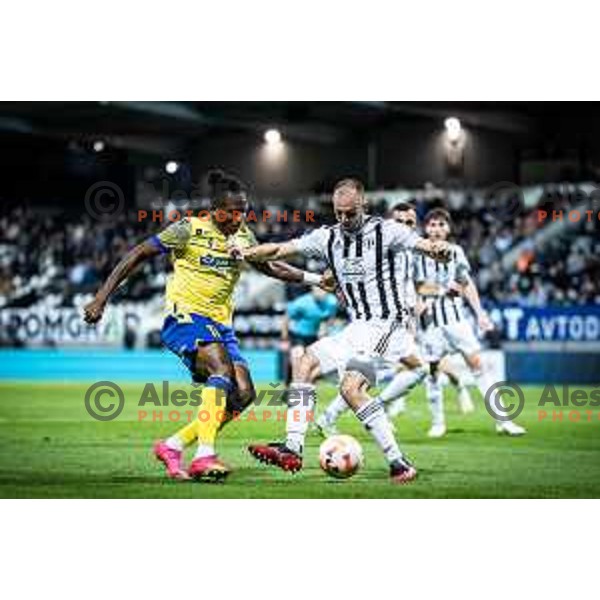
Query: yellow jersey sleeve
(246, 237)
(174, 237)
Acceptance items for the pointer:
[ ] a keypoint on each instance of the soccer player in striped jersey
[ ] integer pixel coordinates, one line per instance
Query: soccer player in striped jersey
(361, 251)
(405, 212)
(445, 328)
(413, 369)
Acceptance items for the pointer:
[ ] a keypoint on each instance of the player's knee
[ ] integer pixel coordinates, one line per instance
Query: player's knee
(474, 362)
(304, 366)
(240, 400)
(246, 395)
(412, 362)
(353, 387)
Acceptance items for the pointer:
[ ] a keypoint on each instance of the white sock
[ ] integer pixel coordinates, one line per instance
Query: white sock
(174, 443)
(435, 394)
(375, 421)
(334, 411)
(402, 383)
(397, 406)
(301, 405)
(485, 381)
(205, 450)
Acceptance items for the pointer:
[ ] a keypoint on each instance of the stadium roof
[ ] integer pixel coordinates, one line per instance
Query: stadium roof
(156, 127)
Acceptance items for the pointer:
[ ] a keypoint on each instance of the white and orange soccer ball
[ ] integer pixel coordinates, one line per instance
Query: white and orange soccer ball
(340, 456)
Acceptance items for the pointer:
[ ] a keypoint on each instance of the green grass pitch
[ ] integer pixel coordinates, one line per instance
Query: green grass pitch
(51, 448)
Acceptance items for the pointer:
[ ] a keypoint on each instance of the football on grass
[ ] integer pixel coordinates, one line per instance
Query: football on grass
(340, 456)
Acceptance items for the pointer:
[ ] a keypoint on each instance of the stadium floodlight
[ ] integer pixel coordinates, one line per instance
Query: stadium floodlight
(98, 146)
(272, 137)
(172, 167)
(453, 128)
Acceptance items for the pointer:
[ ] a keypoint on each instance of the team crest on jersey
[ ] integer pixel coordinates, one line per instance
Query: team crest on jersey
(354, 268)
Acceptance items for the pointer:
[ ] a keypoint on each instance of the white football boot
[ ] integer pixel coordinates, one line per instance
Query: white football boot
(437, 431)
(510, 428)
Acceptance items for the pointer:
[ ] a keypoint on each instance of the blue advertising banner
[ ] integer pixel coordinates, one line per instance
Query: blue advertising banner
(548, 324)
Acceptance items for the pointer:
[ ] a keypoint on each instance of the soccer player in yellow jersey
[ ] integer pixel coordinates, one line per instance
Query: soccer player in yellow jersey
(198, 324)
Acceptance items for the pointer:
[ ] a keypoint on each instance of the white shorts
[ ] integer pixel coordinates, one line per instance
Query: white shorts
(381, 343)
(437, 342)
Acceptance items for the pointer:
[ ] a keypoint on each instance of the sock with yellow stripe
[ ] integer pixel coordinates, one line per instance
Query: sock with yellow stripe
(212, 413)
(185, 437)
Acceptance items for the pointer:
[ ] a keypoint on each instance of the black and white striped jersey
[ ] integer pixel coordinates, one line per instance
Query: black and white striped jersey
(445, 309)
(406, 265)
(367, 265)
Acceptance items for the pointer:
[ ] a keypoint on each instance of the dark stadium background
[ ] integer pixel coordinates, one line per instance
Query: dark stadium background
(75, 176)
(54, 251)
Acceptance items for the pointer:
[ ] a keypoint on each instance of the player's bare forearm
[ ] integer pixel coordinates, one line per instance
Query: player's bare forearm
(280, 270)
(269, 252)
(472, 296)
(127, 265)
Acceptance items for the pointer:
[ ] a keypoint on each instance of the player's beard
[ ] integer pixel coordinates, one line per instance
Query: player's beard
(356, 225)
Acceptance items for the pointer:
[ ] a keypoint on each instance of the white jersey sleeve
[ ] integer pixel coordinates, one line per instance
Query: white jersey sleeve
(313, 244)
(400, 236)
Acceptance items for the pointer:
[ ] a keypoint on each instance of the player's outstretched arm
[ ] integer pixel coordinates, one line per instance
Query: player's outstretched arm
(471, 294)
(290, 274)
(270, 252)
(92, 313)
(280, 270)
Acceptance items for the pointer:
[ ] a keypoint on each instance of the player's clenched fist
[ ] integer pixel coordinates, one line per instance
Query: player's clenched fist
(93, 311)
(440, 251)
(484, 322)
(328, 282)
(236, 252)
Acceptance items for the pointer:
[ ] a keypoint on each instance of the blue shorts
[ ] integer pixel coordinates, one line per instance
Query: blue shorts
(184, 339)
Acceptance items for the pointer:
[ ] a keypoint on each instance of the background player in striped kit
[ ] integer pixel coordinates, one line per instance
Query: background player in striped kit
(444, 324)
(405, 212)
(361, 251)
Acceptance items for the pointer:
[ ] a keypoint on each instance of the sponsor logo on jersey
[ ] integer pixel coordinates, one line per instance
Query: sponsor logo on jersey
(217, 262)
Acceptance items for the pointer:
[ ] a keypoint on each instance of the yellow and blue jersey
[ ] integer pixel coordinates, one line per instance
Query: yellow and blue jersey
(204, 274)
(199, 294)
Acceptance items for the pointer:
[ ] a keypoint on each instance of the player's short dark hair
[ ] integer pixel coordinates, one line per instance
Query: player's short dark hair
(404, 206)
(357, 184)
(221, 185)
(440, 214)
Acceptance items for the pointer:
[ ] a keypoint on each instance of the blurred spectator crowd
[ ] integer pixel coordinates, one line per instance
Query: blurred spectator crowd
(47, 255)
